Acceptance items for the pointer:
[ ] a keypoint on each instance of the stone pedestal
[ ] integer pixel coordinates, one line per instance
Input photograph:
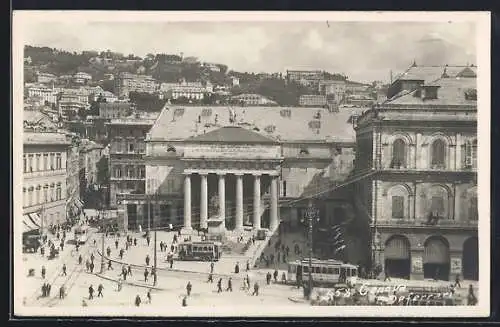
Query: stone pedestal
(216, 226)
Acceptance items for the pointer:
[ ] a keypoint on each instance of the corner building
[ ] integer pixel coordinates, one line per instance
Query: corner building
(249, 167)
(421, 201)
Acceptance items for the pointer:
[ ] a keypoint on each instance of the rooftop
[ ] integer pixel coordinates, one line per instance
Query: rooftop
(42, 138)
(138, 118)
(87, 145)
(432, 73)
(451, 92)
(286, 124)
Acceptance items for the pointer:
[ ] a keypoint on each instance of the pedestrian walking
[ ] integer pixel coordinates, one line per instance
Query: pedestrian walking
(148, 239)
(229, 285)
(108, 251)
(275, 275)
(268, 278)
(121, 254)
(148, 295)
(44, 271)
(248, 265)
(219, 285)
(457, 281)
(99, 290)
(278, 257)
(137, 301)
(188, 288)
(147, 260)
(42, 251)
(44, 290)
(91, 267)
(64, 270)
(210, 278)
(171, 262)
(87, 265)
(184, 301)
(237, 268)
(211, 267)
(126, 246)
(116, 244)
(92, 257)
(95, 242)
(129, 270)
(110, 267)
(48, 289)
(287, 251)
(146, 274)
(471, 297)
(91, 292)
(61, 292)
(77, 247)
(255, 289)
(135, 241)
(119, 284)
(161, 246)
(283, 278)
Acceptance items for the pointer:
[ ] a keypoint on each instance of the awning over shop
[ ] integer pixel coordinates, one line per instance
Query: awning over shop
(28, 224)
(35, 218)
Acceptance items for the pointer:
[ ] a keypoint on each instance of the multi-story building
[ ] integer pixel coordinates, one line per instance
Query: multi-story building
(47, 95)
(250, 99)
(44, 78)
(335, 89)
(115, 110)
(243, 167)
(305, 77)
(312, 100)
(185, 91)
(107, 96)
(127, 148)
(420, 199)
(90, 154)
(81, 78)
(355, 87)
(44, 179)
(127, 82)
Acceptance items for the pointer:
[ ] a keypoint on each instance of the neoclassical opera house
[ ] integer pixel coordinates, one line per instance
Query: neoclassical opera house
(241, 168)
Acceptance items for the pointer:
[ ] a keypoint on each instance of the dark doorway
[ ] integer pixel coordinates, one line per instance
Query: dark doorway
(470, 259)
(397, 257)
(436, 259)
(132, 216)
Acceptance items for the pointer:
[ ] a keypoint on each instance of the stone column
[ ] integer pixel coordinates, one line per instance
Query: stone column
(239, 203)
(222, 199)
(204, 202)
(173, 215)
(187, 203)
(256, 202)
(274, 203)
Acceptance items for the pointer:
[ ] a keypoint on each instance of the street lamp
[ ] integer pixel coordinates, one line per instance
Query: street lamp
(312, 216)
(101, 211)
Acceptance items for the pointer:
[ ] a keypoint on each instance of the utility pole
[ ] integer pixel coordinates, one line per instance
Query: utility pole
(103, 264)
(311, 214)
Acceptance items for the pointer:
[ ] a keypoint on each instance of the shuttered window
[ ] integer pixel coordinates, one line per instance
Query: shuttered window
(438, 154)
(398, 207)
(398, 153)
(437, 206)
(436, 251)
(397, 248)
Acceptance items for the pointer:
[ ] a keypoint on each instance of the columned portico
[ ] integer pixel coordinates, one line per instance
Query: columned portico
(274, 203)
(222, 198)
(204, 202)
(239, 202)
(256, 202)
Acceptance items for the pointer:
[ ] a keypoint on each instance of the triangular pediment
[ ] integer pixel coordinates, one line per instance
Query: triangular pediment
(232, 134)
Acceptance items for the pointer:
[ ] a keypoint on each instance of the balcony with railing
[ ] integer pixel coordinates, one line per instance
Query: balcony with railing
(426, 223)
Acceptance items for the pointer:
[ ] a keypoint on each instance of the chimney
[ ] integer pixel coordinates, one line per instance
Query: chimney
(414, 63)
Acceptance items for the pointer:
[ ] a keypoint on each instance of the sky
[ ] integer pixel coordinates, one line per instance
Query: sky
(364, 51)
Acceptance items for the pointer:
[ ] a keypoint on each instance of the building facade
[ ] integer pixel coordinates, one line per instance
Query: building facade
(90, 153)
(127, 149)
(312, 100)
(250, 99)
(115, 110)
(242, 168)
(127, 82)
(82, 78)
(335, 90)
(44, 179)
(47, 95)
(305, 77)
(421, 199)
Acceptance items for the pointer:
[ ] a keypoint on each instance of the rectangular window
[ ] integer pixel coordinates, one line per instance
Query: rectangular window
(25, 164)
(284, 188)
(398, 207)
(130, 172)
(58, 192)
(58, 161)
(437, 206)
(142, 172)
(45, 193)
(45, 161)
(52, 192)
(37, 162)
(52, 161)
(118, 172)
(30, 196)
(30, 163)
(131, 147)
(118, 145)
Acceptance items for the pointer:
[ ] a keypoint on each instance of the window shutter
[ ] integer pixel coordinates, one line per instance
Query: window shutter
(397, 207)
(468, 155)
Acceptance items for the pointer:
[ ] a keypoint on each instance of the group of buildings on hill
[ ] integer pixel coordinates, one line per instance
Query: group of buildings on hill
(401, 176)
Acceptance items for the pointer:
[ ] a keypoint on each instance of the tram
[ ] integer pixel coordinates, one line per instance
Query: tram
(199, 251)
(81, 234)
(324, 272)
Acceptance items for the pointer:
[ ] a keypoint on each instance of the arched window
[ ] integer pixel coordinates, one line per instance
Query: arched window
(398, 154)
(438, 154)
(398, 207)
(473, 210)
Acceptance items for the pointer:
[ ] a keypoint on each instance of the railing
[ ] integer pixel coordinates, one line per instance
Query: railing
(445, 223)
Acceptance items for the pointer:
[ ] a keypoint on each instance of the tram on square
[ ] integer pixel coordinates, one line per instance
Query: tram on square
(81, 234)
(323, 272)
(199, 251)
